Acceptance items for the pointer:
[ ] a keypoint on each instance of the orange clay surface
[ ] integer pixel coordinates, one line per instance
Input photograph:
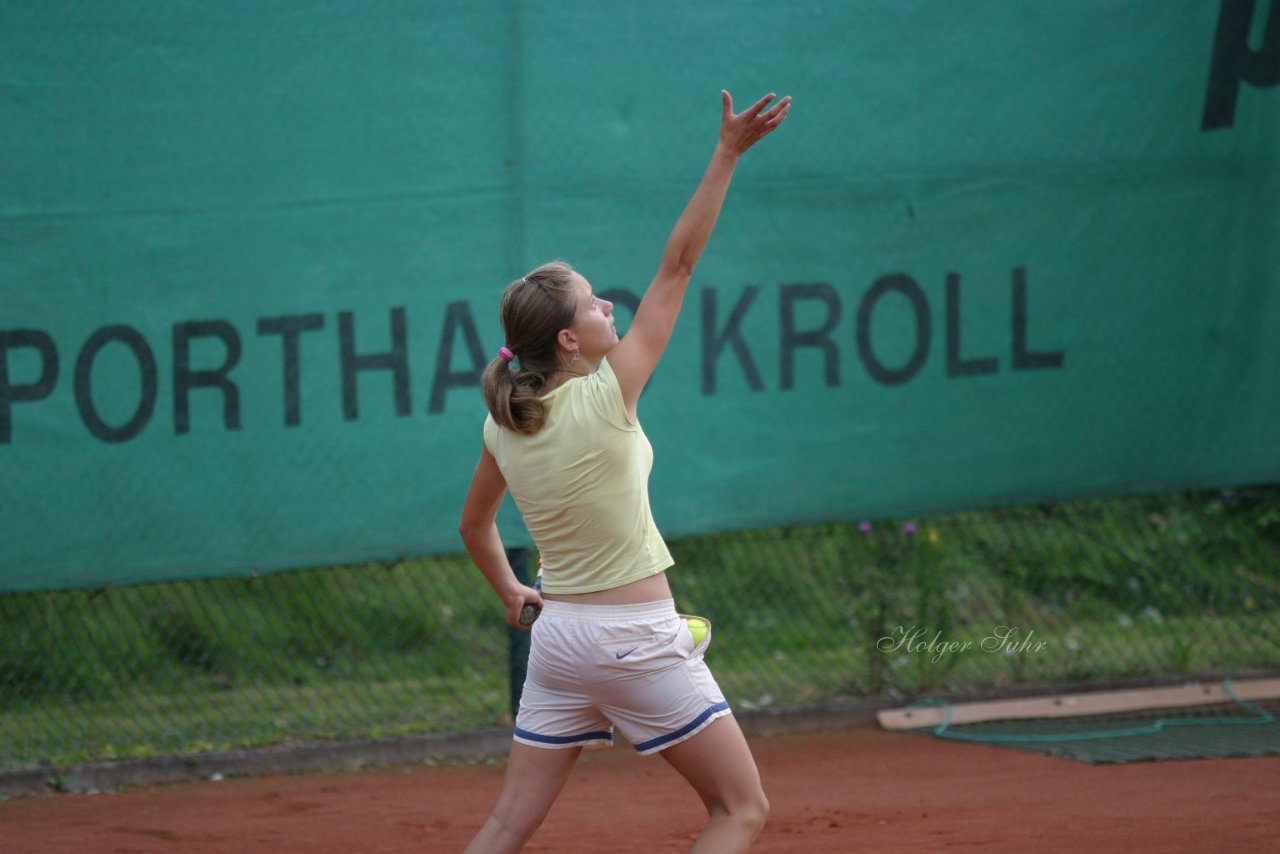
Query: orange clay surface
(842, 791)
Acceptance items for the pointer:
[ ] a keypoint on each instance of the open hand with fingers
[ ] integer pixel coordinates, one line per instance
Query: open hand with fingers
(740, 131)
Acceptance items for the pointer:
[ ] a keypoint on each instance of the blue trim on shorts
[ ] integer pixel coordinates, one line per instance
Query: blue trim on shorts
(684, 730)
(564, 739)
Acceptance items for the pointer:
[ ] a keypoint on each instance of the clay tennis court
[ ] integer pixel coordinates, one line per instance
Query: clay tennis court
(860, 789)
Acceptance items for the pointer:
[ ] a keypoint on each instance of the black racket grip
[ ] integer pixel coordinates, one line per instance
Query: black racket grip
(530, 612)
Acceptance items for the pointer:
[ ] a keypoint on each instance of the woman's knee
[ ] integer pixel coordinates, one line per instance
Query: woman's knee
(756, 808)
(749, 807)
(513, 825)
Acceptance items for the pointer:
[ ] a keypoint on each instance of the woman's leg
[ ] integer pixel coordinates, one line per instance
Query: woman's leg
(718, 764)
(535, 776)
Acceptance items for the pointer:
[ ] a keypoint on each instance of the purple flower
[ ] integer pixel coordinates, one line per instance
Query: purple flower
(864, 527)
(910, 527)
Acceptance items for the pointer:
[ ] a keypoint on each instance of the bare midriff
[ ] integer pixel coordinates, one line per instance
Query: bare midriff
(650, 589)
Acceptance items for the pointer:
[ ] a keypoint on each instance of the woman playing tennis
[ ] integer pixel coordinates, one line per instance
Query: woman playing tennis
(609, 649)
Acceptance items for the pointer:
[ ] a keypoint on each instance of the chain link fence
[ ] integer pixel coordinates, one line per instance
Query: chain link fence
(1152, 587)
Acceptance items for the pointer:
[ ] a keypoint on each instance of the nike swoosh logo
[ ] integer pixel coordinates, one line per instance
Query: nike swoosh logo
(622, 655)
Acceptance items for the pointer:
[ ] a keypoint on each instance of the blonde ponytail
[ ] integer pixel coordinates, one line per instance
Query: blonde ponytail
(534, 310)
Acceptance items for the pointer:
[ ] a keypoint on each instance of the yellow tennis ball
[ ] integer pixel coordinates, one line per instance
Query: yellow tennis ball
(698, 627)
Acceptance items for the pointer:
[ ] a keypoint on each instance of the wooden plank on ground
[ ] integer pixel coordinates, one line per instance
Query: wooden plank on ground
(1070, 705)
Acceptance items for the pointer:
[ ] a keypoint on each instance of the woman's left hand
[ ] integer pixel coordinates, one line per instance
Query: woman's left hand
(515, 604)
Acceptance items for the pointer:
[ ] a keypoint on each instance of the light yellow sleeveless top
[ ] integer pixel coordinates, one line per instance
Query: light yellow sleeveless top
(582, 485)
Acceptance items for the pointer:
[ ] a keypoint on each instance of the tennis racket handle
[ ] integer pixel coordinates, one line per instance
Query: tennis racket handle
(530, 612)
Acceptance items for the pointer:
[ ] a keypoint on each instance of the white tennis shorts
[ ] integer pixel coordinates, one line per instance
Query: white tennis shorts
(636, 667)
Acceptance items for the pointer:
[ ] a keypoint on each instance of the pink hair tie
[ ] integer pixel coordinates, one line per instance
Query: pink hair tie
(505, 355)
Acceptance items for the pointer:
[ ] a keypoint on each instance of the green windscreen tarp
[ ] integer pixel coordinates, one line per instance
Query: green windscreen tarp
(251, 254)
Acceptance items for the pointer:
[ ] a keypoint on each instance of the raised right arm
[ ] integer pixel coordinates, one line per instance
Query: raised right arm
(636, 356)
